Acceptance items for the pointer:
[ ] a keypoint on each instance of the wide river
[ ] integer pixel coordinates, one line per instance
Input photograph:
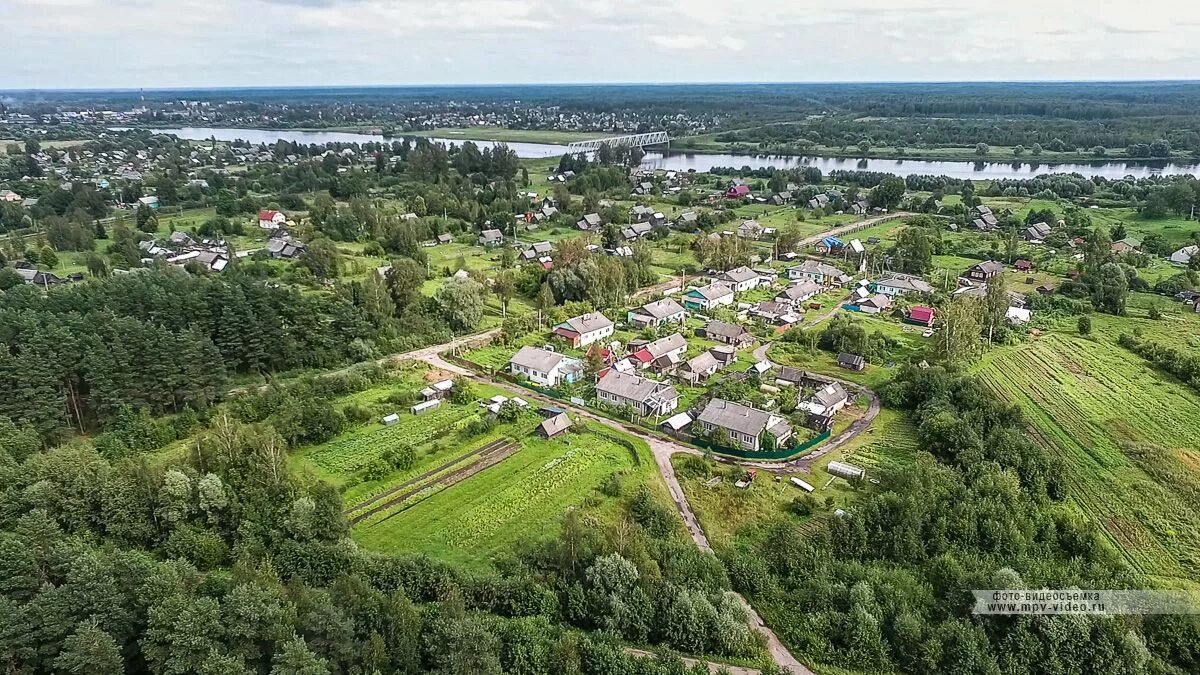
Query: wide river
(683, 161)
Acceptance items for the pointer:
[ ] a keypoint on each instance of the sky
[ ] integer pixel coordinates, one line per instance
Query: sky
(52, 44)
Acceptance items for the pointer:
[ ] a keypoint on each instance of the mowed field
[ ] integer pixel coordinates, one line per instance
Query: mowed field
(1130, 438)
(522, 497)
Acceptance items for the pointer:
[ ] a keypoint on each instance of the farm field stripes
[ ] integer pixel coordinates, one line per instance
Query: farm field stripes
(522, 496)
(428, 474)
(494, 454)
(1125, 433)
(351, 453)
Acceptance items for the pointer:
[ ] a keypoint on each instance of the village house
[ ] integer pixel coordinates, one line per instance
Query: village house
(583, 330)
(1037, 231)
(537, 251)
(728, 333)
(741, 279)
(799, 292)
(818, 201)
(661, 355)
(825, 401)
(590, 221)
(553, 426)
(738, 192)
(1023, 266)
(699, 368)
(150, 201)
(545, 367)
(636, 231)
(9, 196)
(750, 229)
(645, 396)
(707, 297)
(1184, 255)
(656, 313)
(851, 361)
(269, 220)
(874, 304)
(898, 285)
(491, 238)
(286, 248)
(922, 316)
(1126, 245)
(774, 312)
(745, 426)
(819, 272)
(984, 270)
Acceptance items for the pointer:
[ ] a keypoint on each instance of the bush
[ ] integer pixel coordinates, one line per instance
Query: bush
(691, 466)
(357, 413)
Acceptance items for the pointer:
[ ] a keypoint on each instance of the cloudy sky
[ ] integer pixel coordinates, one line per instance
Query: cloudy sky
(212, 43)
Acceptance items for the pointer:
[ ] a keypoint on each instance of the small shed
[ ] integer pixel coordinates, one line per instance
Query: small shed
(851, 361)
(677, 423)
(426, 406)
(554, 426)
(844, 470)
(390, 419)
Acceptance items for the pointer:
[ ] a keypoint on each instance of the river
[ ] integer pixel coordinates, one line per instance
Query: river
(683, 161)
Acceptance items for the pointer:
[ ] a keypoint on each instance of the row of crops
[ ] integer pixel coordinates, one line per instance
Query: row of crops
(1121, 428)
(351, 453)
(891, 445)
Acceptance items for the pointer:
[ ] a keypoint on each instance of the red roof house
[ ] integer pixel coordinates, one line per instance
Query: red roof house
(268, 220)
(737, 192)
(921, 315)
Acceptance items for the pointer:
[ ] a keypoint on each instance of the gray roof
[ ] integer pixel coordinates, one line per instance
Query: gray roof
(800, 290)
(815, 267)
(724, 329)
(491, 235)
(989, 267)
(666, 344)
(830, 395)
(714, 290)
(739, 274)
(660, 309)
(635, 387)
(536, 358)
(906, 282)
(556, 424)
(702, 362)
(740, 418)
(586, 323)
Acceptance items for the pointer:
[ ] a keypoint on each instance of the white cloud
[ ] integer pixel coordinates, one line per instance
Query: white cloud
(679, 41)
(164, 43)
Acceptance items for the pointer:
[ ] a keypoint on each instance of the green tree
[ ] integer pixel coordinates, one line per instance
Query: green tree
(957, 342)
(1110, 289)
(48, 257)
(146, 219)
(913, 252)
(461, 302)
(322, 259)
(90, 651)
(404, 281)
(1084, 325)
(982, 149)
(297, 659)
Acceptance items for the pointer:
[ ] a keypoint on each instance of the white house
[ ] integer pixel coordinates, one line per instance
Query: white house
(799, 292)
(583, 330)
(897, 285)
(657, 313)
(269, 220)
(1184, 255)
(741, 279)
(708, 297)
(647, 397)
(826, 275)
(545, 367)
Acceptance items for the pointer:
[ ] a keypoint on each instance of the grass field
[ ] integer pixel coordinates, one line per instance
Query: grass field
(1130, 439)
(523, 497)
(732, 515)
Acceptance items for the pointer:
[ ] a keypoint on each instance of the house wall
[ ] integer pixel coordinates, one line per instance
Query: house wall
(586, 339)
(744, 441)
(537, 377)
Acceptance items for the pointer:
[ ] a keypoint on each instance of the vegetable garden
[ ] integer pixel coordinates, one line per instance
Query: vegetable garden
(523, 496)
(351, 453)
(1128, 437)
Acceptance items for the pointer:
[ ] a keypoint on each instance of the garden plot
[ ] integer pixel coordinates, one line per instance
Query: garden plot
(523, 496)
(351, 453)
(1128, 436)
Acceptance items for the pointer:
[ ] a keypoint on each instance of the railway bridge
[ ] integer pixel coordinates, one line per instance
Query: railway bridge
(640, 140)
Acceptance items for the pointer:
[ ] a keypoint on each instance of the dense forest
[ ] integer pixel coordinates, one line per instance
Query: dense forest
(886, 586)
(226, 564)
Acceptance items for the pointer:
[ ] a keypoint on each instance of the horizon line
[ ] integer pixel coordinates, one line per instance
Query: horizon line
(694, 83)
